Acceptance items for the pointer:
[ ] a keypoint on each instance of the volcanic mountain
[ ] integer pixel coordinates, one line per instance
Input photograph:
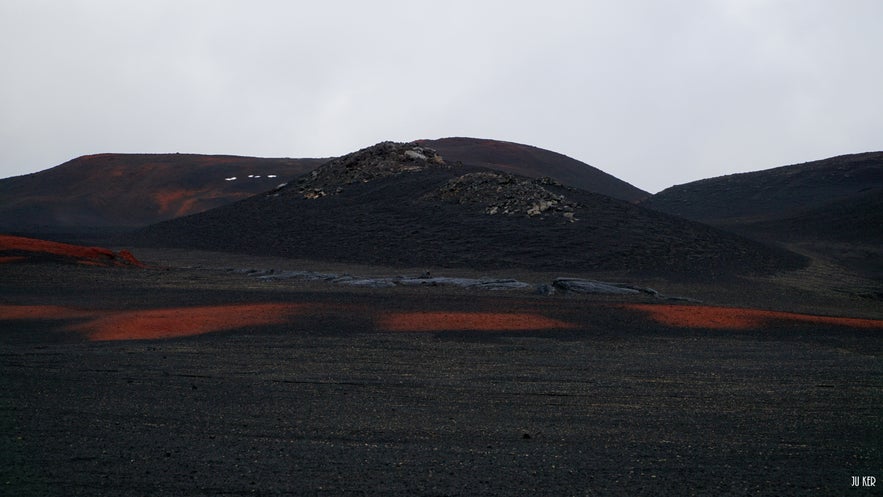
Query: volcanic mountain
(128, 190)
(534, 162)
(134, 190)
(839, 197)
(831, 209)
(407, 205)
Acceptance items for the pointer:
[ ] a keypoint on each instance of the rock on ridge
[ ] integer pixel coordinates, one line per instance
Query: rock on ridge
(507, 194)
(378, 161)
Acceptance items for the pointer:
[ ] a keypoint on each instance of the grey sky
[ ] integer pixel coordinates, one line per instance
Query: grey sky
(654, 92)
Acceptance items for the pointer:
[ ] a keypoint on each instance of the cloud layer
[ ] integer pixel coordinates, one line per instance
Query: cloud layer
(656, 93)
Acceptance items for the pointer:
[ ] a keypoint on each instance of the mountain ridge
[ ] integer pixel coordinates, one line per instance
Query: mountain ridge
(523, 159)
(129, 190)
(830, 209)
(123, 191)
(402, 218)
(775, 192)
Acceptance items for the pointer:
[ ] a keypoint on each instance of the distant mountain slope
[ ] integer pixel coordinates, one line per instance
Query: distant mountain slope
(406, 205)
(855, 219)
(127, 190)
(534, 162)
(133, 190)
(830, 209)
(779, 193)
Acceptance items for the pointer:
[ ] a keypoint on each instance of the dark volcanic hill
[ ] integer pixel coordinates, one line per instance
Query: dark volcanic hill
(127, 190)
(535, 163)
(831, 209)
(406, 205)
(855, 219)
(134, 190)
(815, 191)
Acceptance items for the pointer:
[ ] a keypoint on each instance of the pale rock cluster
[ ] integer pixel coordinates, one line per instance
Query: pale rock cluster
(507, 194)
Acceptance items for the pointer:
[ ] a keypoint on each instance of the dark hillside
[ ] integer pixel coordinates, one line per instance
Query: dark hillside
(778, 193)
(128, 190)
(405, 205)
(855, 219)
(99, 193)
(534, 162)
(831, 210)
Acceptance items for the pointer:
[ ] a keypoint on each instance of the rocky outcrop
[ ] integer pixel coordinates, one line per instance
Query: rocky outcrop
(391, 281)
(401, 205)
(577, 285)
(497, 192)
(379, 161)
(507, 194)
(562, 285)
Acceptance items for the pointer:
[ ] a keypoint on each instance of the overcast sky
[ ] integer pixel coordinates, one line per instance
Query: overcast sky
(654, 92)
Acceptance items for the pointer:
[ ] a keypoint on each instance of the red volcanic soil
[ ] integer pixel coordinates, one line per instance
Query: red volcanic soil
(323, 382)
(127, 190)
(152, 324)
(727, 318)
(21, 249)
(468, 321)
(184, 321)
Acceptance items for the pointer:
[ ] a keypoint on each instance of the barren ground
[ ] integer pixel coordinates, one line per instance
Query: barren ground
(196, 380)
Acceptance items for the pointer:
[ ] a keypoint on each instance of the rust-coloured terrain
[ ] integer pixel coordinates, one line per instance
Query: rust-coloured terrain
(127, 190)
(733, 367)
(131, 190)
(15, 249)
(185, 380)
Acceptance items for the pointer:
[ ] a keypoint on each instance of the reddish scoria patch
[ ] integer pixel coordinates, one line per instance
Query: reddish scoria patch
(467, 321)
(185, 321)
(731, 318)
(177, 203)
(95, 256)
(151, 324)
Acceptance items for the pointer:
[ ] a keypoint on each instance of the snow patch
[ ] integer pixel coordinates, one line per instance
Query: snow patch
(231, 178)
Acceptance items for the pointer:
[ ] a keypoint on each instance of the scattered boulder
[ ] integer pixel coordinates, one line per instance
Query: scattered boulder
(545, 289)
(415, 154)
